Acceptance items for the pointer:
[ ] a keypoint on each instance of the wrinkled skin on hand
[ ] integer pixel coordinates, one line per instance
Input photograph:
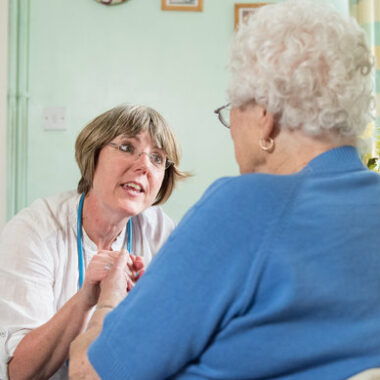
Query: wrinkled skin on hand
(124, 274)
(101, 266)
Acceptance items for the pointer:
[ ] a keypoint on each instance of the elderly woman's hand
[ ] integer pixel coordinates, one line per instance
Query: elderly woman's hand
(97, 270)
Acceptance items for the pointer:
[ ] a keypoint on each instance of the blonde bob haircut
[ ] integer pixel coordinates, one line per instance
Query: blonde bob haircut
(128, 120)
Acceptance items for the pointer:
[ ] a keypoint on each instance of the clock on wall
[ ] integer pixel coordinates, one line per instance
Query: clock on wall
(111, 2)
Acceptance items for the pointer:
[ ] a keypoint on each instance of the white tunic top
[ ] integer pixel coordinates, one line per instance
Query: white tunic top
(39, 263)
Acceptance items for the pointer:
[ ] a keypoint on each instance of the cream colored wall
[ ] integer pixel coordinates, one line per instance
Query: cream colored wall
(3, 107)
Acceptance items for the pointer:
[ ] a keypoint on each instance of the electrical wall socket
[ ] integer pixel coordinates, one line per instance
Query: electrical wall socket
(54, 118)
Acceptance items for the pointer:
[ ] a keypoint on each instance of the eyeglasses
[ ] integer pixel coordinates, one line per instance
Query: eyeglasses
(158, 160)
(224, 114)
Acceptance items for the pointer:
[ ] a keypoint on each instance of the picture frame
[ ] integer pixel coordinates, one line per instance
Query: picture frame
(244, 10)
(182, 5)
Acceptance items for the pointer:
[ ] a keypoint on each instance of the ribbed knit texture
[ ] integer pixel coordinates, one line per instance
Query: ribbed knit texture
(266, 277)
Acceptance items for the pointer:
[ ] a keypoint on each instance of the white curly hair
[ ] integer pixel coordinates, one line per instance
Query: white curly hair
(307, 65)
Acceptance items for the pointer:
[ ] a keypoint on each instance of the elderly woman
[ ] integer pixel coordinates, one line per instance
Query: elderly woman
(128, 158)
(274, 274)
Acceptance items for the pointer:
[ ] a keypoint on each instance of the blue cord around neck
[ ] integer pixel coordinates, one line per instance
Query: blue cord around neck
(79, 239)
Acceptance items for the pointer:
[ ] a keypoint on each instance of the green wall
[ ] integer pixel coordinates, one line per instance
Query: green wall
(3, 107)
(89, 57)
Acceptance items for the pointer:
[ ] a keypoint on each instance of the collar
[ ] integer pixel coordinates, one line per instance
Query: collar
(337, 159)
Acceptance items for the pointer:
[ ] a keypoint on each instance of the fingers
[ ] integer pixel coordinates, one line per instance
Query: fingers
(135, 268)
(130, 285)
(134, 263)
(105, 263)
(138, 262)
(108, 266)
(113, 254)
(114, 287)
(120, 262)
(98, 268)
(105, 259)
(129, 260)
(139, 274)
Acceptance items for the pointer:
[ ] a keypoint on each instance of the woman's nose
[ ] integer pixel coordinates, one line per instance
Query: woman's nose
(143, 161)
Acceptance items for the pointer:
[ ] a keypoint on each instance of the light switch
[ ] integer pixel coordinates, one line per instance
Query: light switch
(54, 118)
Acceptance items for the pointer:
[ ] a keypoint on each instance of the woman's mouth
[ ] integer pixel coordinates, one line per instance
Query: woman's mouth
(133, 186)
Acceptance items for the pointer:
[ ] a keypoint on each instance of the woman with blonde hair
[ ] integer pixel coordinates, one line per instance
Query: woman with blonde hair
(54, 253)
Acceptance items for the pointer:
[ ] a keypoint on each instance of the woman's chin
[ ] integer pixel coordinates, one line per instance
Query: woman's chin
(130, 209)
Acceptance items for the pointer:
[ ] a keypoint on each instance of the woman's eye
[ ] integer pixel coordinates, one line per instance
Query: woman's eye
(158, 159)
(126, 147)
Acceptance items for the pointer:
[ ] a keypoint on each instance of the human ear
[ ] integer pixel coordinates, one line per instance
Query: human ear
(267, 123)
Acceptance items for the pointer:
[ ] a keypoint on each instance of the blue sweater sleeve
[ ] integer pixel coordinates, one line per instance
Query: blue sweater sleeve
(193, 287)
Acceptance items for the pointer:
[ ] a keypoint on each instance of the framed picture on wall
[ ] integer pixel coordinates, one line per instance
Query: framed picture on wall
(244, 10)
(182, 5)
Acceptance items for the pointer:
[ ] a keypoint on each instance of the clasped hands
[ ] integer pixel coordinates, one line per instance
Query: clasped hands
(110, 275)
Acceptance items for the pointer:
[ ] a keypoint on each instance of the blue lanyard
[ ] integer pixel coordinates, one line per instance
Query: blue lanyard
(79, 239)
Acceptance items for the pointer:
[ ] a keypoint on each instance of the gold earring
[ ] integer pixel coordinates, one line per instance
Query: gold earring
(266, 144)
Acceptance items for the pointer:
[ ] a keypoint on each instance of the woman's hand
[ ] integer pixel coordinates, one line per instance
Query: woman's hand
(97, 270)
(120, 277)
(137, 268)
(114, 287)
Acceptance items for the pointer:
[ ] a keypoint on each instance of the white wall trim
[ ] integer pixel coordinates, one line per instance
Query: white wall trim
(3, 107)
(17, 103)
